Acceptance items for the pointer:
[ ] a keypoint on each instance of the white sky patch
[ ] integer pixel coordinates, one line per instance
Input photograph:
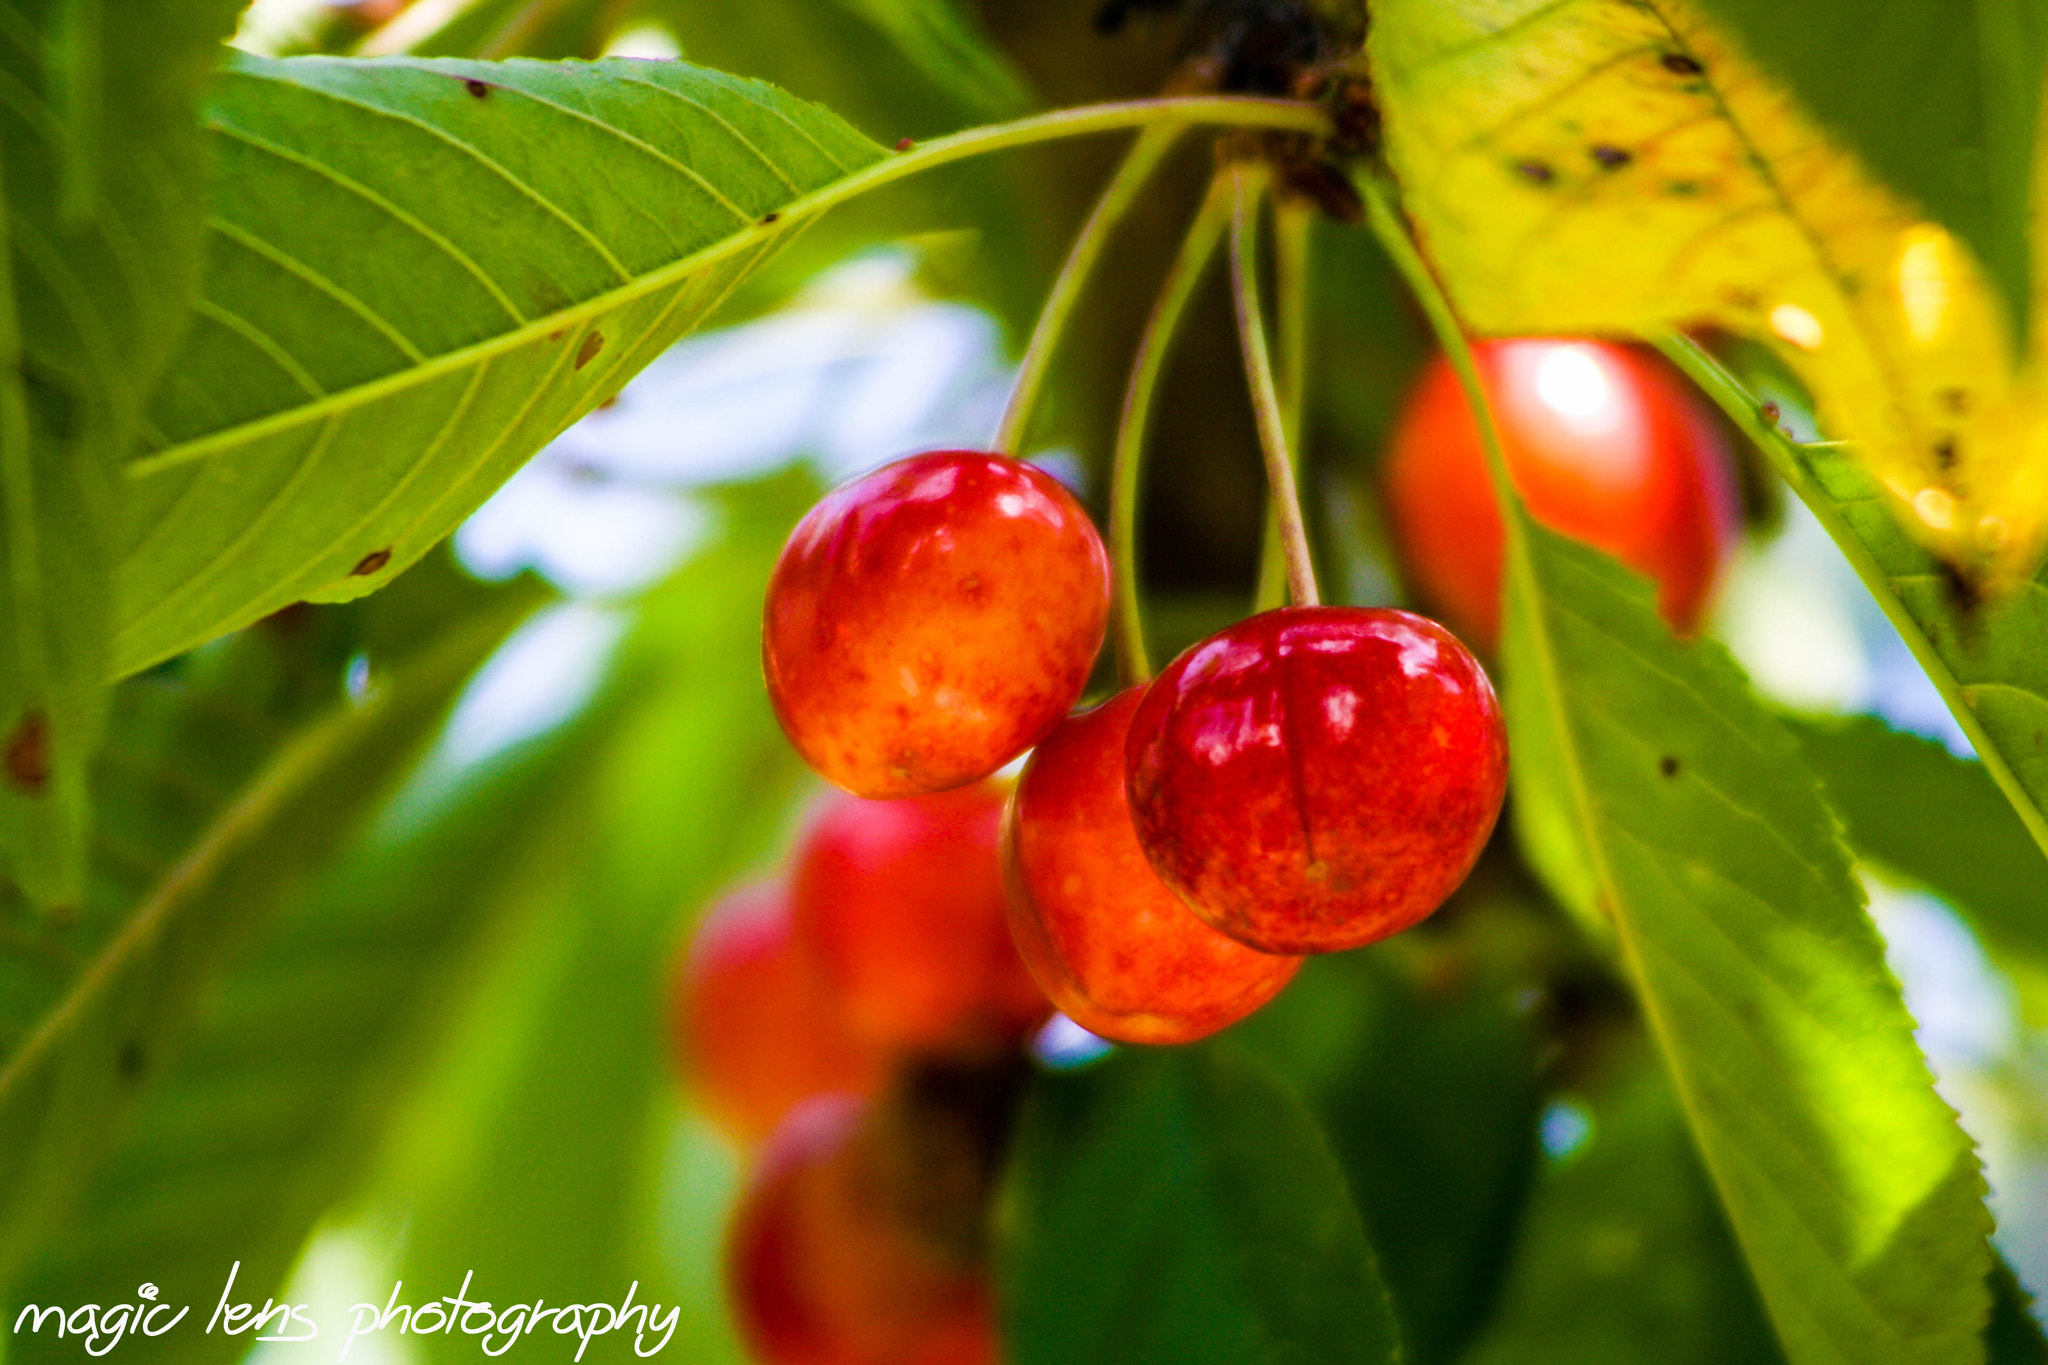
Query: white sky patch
(1966, 1011)
(647, 42)
(1062, 1043)
(541, 677)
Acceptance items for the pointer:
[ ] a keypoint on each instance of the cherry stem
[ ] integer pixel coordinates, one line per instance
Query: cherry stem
(1292, 220)
(1248, 186)
(1150, 147)
(1384, 214)
(1178, 290)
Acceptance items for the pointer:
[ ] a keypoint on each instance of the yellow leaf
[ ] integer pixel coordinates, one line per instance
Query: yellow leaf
(1618, 165)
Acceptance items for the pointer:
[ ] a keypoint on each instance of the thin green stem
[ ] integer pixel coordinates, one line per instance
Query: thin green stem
(1746, 411)
(1292, 220)
(1175, 294)
(1139, 163)
(1248, 187)
(1526, 640)
(1391, 229)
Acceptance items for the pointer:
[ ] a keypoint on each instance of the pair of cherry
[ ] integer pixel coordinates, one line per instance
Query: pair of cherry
(1308, 780)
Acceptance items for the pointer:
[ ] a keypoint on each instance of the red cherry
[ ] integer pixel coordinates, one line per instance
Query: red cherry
(1316, 778)
(1105, 938)
(901, 905)
(827, 1263)
(927, 622)
(755, 1029)
(1604, 443)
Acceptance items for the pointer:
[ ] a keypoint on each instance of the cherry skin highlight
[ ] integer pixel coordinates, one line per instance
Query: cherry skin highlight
(900, 903)
(827, 1263)
(1105, 938)
(1317, 778)
(755, 1030)
(1605, 444)
(927, 622)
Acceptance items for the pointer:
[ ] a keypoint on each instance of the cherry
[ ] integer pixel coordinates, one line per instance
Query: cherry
(928, 621)
(901, 904)
(1316, 778)
(1104, 937)
(755, 1029)
(831, 1260)
(1604, 443)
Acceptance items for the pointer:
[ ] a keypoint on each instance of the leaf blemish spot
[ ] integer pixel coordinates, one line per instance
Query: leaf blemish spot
(587, 352)
(27, 758)
(1668, 765)
(370, 563)
(1612, 158)
(1535, 172)
(1678, 64)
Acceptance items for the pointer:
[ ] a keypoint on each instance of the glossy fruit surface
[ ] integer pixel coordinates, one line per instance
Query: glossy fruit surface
(1316, 778)
(1605, 445)
(755, 1029)
(927, 622)
(900, 903)
(1113, 947)
(828, 1264)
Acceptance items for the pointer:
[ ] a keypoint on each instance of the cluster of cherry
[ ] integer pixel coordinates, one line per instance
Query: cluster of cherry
(1308, 780)
(861, 1023)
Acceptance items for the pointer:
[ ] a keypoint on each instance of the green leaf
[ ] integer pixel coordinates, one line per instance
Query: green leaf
(1907, 803)
(99, 240)
(218, 808)
(1180, 1208)
(1941, 99)
(1419, 1058)
(2013, 1336)
(1693, 829)
(534, 1157)
(1985, 657)
(1625, 1256)
(421, 271)
(274, 1104)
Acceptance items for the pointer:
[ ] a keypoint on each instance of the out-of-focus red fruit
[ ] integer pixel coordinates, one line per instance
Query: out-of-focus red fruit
(1604, 443)
(756, 1030)
(1111, 945)
(828, 1264)
(1316, 778)
(927, 622)
(900, 903)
